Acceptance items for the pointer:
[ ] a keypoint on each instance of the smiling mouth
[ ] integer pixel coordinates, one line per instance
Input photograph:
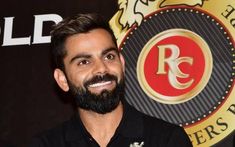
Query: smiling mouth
(100, 84)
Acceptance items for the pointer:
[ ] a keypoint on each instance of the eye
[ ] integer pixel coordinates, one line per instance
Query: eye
(110, 57)
(83, 62)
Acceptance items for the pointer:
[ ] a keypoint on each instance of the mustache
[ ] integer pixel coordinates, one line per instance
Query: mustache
(100, 78)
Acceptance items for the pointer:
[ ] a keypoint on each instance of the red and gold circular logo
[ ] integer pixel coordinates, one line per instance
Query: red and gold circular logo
(180, 63)
(168, 70)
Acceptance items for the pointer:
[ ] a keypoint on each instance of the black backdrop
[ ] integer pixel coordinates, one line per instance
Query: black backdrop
(29, 99)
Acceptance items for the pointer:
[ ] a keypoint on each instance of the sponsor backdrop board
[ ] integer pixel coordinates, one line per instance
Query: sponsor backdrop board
(180, 59)
(179, 56)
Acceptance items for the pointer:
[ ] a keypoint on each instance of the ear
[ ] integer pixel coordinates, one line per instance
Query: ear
(61, 79)
(122, 61)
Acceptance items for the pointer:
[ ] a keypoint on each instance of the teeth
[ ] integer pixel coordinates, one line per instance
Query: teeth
(99, 84)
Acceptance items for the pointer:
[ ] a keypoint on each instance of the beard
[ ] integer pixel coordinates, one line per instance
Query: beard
(101, 103)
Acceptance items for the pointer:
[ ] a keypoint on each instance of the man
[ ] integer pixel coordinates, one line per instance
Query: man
(91, 68)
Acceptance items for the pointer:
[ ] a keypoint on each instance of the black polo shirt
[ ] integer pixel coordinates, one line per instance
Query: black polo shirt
(135, 130)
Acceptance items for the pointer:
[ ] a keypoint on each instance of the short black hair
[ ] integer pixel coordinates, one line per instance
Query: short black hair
(80, 23)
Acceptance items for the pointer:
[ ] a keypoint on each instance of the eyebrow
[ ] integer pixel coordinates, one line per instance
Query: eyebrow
(79, 56)
(84, 55)
(109, 50)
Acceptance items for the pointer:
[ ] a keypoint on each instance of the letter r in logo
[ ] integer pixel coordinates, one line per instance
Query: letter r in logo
(173, 61)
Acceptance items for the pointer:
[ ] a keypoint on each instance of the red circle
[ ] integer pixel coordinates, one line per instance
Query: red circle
(187, 48)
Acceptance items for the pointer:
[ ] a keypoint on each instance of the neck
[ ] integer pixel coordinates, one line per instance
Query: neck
(105, 124)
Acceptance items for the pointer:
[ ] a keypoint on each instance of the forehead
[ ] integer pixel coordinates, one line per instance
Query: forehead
(93, 41)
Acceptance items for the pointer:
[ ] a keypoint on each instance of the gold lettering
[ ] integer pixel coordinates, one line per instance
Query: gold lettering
(232, 108)
(173, 62)
(199, 137)
(210, 131)
(232, 21)
(219, 122)
(227, 14)
(228, 11)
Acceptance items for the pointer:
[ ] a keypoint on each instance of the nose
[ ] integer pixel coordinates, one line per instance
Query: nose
(100, 67)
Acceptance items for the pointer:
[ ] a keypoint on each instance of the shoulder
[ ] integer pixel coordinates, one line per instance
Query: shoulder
(158, 131)
(159, 124)
(166, 133)
(152, 123)
(54, 137)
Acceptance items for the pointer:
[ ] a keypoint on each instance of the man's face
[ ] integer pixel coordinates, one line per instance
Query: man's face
(94, 70)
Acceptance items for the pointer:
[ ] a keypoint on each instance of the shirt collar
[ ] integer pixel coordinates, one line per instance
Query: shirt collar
(74, 129)
(132, 122)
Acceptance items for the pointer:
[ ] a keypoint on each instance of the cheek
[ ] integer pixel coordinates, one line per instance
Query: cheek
(118, 71)
(81, 79)
(77, 78)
